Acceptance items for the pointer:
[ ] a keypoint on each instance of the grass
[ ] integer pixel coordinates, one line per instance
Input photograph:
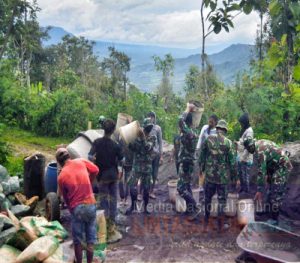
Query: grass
(23, 143)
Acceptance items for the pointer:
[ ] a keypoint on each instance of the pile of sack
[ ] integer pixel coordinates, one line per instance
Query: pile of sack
(10, 197)
(33, 239)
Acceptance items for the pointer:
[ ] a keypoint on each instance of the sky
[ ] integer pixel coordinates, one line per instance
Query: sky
(173, 23)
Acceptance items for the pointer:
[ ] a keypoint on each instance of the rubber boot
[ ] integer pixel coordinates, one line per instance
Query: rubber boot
(220, 223)
(146, 201)
(205, 225)
(133, 194)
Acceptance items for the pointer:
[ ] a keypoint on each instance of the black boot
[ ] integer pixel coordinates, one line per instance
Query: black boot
(146, 201)
(133, 194)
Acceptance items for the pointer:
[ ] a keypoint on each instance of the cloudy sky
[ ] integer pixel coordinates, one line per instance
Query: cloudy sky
(173, 23)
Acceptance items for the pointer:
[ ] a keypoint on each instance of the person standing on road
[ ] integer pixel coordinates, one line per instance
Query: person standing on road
(75, 184)
(217, 160)
(142, 148)
(107, 154)
(274, 168)
(156, 131)
(244, 158)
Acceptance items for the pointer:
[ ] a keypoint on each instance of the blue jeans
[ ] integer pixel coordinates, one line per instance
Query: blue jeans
(83, 219)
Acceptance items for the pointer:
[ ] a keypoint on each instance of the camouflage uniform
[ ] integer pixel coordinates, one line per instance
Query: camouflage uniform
(274, 167)
(127, 168)
(188, 142)
(142, 166)
(217, 160)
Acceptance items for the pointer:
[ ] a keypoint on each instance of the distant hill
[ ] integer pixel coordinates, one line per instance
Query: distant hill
(55, 35)
(227, 63)
(139, 54)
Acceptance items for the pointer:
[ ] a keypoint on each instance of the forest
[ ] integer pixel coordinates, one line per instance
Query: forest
(55, 90)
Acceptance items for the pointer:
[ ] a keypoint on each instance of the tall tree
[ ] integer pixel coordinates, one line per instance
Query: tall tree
(166, 67)
(13, 14)
(219, 17)
(117, 65)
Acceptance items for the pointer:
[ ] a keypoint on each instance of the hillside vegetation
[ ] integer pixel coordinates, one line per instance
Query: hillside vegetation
(55, 90)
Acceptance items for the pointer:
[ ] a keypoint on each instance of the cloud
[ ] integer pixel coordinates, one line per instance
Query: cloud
(161, 22)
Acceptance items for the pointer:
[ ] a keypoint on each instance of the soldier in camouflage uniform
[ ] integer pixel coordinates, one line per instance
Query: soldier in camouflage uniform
(188, 141)
(142, 148)
(217, 160)
(274, 167)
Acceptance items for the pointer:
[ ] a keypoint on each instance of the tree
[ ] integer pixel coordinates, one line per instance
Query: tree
(220, 18)
(13, 13)
(117, 65)
(285, 18)
(194, 86)
(166, 66)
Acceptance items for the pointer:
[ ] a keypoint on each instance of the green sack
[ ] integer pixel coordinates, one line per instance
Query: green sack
(45, 228)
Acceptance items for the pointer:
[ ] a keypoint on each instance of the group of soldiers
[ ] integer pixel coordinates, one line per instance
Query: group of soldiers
(217, 162)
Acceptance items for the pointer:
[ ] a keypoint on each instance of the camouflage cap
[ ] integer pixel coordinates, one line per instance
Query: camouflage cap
(147, 122)
(222, 124)
(248, 141)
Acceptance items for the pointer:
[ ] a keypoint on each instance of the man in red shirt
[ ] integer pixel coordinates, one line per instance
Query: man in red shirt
(75, 185)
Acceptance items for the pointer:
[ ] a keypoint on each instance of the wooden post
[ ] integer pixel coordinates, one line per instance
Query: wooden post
(89, 125)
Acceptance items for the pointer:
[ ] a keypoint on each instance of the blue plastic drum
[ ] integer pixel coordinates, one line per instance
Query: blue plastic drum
(51, 178)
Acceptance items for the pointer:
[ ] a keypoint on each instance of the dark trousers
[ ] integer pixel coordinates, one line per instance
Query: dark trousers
(177, 166)
(155, 167)
(123, 183)
(108, 191)
(209, 190)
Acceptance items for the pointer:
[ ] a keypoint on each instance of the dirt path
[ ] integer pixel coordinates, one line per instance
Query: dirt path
(166, 236)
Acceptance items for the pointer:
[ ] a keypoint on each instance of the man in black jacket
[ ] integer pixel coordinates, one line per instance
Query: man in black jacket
(106, 154)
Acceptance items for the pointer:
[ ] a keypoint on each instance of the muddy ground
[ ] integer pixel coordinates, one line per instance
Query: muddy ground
(167, 236)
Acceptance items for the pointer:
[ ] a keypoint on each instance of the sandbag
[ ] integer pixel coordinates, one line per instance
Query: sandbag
(3, 174)
(99, 248)
(44, 228)
(7, 235)
(8, 254)
(64, 254)
(20, 210)
(20, 239)
(5, 222)
(38, 250)
(25, 223)
(39, 226)
(11, 186)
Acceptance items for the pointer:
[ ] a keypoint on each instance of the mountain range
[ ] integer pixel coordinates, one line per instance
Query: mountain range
(227, 63)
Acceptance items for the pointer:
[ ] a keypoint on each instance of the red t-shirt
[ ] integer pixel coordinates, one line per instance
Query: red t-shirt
(75, 182)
